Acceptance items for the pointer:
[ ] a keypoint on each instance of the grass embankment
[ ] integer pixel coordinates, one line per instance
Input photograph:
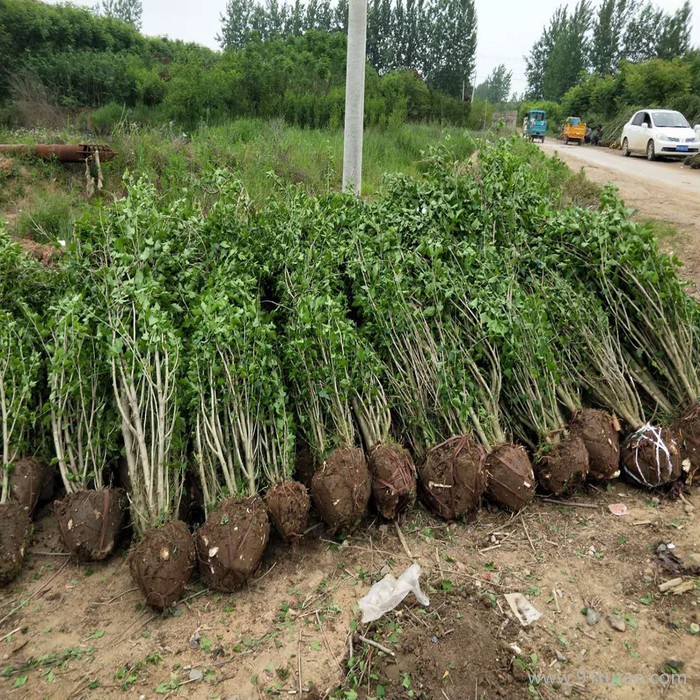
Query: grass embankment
(41, 200)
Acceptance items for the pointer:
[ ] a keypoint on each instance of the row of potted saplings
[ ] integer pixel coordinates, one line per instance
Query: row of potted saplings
(452, 478)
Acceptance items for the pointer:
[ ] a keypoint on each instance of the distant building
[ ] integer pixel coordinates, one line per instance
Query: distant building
(509, 119)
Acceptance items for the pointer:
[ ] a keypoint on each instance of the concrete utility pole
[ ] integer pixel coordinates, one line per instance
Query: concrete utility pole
(355, 96)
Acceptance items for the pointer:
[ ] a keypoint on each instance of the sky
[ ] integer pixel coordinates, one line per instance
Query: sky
(506, 28)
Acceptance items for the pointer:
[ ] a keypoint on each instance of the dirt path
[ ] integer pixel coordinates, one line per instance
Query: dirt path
(86, 634)
(663, 190)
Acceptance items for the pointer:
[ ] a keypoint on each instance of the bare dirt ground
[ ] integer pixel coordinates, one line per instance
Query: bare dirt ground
(663, 190)
(71, 630)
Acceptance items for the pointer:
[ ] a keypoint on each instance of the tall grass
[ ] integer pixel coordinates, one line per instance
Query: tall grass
(47, 217)
(42, 200)
(262, 152)
(259, 152)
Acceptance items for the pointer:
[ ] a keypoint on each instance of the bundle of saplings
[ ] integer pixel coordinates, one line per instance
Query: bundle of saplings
(322, 351)
(535, 389)
(648, 304)
(584, 346)
(659, 323)
(429, 385)
(511, 480)
(20, 371)
(242, 428)
(441, 222)
(390, 464)
(143, 265)
(608, 254)
(246, 353)
(590, 351)
(335, 373)
(85, 426)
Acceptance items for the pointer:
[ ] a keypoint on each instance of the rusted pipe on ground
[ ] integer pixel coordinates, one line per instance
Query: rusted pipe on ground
(64, 153)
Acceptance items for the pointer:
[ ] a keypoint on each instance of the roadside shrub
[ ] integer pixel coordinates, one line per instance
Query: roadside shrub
(688, 106)
(104, 120)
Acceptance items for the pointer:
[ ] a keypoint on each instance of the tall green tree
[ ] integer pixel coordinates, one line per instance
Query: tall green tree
(559, 57)
(619, 30)
(496, 88)
(129, 11)
(674, 39)
(452, 46)
(609, 28)
(381, 45)
(236, 24)
(435, 38)
(568, 58)
(537, 62)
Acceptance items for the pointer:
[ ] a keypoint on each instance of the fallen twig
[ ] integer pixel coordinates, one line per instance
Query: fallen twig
(569, 503)
(377, 645)
(9, 634)
(311, 528)
(299, 660)
(260, 578)
(556, 599)
(488, 549)
(128, 628)
(190, 597)
(325, 639)
(402, 539)
(527, 534)
(116, 597)
(485, 582)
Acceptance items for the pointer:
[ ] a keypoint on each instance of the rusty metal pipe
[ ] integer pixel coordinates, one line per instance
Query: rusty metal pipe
(64, 153)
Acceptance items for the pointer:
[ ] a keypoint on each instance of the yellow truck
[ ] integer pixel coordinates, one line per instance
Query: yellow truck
(574, 130)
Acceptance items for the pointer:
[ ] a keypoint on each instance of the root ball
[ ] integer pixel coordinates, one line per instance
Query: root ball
(453, 477)
(511, 481)
(231, 543)
(341, 488)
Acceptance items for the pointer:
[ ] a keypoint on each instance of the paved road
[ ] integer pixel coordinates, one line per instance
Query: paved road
(667, 174)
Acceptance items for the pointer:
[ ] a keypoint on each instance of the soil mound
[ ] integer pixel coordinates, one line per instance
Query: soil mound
(15, 533)
(651, 456)
(600, 433)
(31, 481)
(450, 656)
(288, 505)
(564, 468)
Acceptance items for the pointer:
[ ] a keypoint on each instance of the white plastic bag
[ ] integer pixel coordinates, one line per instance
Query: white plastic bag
(523, 609)
(386, 594)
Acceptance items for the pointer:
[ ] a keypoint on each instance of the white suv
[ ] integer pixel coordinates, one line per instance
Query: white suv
(659, 132)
